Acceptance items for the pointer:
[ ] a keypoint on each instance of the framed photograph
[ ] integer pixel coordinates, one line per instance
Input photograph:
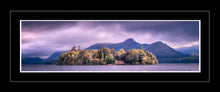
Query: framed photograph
(109, 46)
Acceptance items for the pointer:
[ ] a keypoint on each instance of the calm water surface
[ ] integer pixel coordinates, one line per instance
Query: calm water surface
(159, 67)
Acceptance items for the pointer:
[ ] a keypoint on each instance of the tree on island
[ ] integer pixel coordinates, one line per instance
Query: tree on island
(73, 48)
(78, 47)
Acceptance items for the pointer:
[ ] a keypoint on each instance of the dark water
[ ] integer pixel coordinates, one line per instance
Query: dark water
(159, 67)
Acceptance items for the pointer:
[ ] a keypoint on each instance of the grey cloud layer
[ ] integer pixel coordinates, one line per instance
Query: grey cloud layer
(185, 28)
(172, 30)
(59, 35)
(40, 26)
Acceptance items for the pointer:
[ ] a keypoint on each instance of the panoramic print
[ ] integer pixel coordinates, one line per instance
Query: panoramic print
(110, 46)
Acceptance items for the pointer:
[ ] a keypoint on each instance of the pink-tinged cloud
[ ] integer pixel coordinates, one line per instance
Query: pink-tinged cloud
(44, 38)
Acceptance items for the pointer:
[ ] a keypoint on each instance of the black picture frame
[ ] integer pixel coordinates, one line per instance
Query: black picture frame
(17, 15)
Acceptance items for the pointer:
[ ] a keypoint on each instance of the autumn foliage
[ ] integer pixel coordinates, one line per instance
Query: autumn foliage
(105, 56)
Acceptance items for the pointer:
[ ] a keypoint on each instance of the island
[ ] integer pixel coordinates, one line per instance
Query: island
(106, 56)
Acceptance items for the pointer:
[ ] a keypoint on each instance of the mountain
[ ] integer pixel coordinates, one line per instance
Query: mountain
(192, 50)
(36, 60)
(162, 50)
(126, 45)
(55, 55)
(32, 60)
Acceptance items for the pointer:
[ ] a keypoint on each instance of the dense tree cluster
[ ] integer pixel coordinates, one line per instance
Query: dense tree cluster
(105, 56)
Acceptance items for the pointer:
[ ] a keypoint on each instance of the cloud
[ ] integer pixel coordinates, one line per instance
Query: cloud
(171, 30)
(41, 26)
(44, 38)
(49, 42)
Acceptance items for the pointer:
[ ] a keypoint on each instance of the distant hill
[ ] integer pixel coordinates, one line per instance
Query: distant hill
(36, 60)
(55, 55)
(32, 60)
(162, 50)
(192, 50)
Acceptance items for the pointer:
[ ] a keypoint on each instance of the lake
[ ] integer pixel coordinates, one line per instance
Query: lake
(163, 67)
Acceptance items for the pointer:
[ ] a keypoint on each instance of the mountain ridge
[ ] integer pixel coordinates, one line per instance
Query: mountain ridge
(55, 55)
(194, 49)
(162, 50)
(32, 60)
(159, 49)
(127, 44)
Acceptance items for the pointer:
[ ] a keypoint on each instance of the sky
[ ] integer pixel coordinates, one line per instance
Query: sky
(43, 38)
